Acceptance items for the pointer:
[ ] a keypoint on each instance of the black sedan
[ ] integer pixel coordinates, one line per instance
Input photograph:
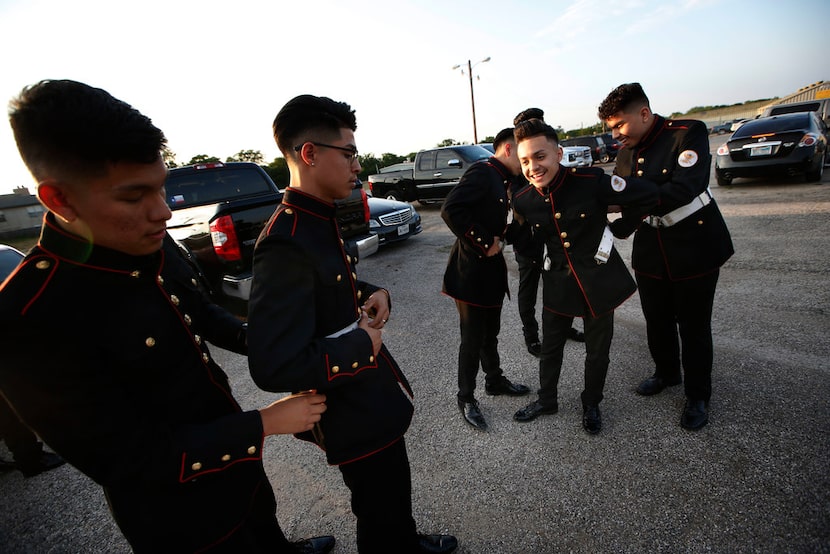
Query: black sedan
(9, 259)
(788, 144)
(392, 221)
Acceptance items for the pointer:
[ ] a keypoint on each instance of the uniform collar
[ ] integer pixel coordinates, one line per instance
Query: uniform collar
(64, 245)
(303, 201)
(656, 129)
(502, 169)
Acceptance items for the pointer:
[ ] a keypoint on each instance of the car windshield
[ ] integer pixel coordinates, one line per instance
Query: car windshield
(8, 261)
(199, 187)
(776, 124)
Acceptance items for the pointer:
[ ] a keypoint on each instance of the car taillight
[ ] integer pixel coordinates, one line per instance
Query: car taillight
(371, 187)
(808, 140)
(225, 243)
(723, 150)
(365, 200)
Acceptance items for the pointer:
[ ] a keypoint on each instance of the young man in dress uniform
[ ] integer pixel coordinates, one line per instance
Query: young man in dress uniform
(314, 325)
(583, 275)
(679, 246)
(104, 333)
(528, 255)
(476, 211)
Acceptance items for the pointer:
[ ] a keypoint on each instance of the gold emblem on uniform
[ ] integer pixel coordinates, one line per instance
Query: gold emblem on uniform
(43, 264)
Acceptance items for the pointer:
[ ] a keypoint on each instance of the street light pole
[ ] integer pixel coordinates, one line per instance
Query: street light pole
(472, 94)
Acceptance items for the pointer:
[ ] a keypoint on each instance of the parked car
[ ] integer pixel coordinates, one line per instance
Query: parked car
(819, 105)
(599, 152)
(612, 145)
(786, 144)
(392, 220)
(721, 129)
(736, 124)
(431, 177)
(9, 259)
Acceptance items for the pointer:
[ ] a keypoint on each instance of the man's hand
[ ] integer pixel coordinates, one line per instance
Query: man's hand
(377, 308)
(293, 414)
(372, 330)
(495, 248)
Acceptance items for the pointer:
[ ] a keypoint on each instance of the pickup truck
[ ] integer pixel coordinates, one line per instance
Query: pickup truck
(434, 173)
(219, 210)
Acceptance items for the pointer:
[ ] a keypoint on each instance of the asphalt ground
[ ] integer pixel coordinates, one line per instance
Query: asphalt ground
(756, 479)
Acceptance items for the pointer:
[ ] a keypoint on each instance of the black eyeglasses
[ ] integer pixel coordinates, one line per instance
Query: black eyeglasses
(351, 151)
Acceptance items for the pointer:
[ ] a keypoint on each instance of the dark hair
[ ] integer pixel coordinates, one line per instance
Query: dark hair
(530, 128)
(72, 131)
(503, 136)
(624, 98)
(530, 113)
(305, 115)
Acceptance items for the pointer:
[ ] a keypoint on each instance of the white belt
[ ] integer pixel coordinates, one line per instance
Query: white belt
(606, 245)
(344, 330)
(681, 213)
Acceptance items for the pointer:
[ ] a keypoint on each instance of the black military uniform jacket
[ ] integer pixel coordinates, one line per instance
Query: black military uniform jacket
(476, 212)
(674, 155)
(105, 356)
(571, 218)
(305, 302)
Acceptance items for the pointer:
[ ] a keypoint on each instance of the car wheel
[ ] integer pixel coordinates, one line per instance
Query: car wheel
(723, 181)
(394, 195)
(605, 159)
(815, 175)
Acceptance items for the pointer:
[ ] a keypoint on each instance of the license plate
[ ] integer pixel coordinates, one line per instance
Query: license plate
(403, 229)
(765, 150)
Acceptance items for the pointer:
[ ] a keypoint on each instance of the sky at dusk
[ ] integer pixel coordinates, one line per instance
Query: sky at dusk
(212, 75)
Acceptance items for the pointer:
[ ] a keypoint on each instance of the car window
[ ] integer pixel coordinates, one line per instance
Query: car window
(9, 259)
(426, 161)
(443, 158)
(193, 188)
(773, 125)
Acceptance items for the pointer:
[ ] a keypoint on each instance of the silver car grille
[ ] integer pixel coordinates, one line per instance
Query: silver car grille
(396, 218)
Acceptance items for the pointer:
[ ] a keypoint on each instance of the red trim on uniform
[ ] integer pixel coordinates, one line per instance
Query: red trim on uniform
(470, 303)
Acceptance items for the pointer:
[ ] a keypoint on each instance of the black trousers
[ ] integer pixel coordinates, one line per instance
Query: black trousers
(479, 346)
(598, 334)
(20, 440)
(530, 270)
(679, 319)
(381, 488)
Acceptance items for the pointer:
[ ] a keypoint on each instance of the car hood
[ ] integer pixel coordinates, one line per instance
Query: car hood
(380, 206)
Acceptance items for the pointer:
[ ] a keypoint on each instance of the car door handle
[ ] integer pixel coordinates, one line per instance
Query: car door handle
(436, 174)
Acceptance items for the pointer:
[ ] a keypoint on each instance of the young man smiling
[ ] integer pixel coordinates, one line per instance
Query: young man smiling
(583, 275)
(678, 247)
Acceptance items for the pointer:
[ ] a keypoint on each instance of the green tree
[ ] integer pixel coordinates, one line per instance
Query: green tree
(169, 157)
(278, 171)
(253, 156)
(203, 159)
(448, 142)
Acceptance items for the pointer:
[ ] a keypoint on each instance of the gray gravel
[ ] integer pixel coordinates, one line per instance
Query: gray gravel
(756, 479)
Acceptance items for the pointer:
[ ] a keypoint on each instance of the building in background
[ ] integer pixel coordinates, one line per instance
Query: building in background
(20, 214)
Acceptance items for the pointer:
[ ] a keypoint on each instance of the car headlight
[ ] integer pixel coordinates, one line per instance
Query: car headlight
(373, 224)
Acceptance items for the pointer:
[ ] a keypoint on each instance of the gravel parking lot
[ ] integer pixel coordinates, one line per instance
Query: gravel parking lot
(756, 479)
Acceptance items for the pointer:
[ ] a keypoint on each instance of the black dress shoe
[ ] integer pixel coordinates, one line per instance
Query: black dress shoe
(535, 348)
(576, 335)
(591, 419)
(654, 385)
(695, 414)
(438, 544)
(506, 387)
(315, 545)
(45, 462)
(472, 414)
(534, 410)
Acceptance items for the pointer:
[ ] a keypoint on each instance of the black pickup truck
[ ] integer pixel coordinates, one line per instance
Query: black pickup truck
(219, 210)
(435, 172)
